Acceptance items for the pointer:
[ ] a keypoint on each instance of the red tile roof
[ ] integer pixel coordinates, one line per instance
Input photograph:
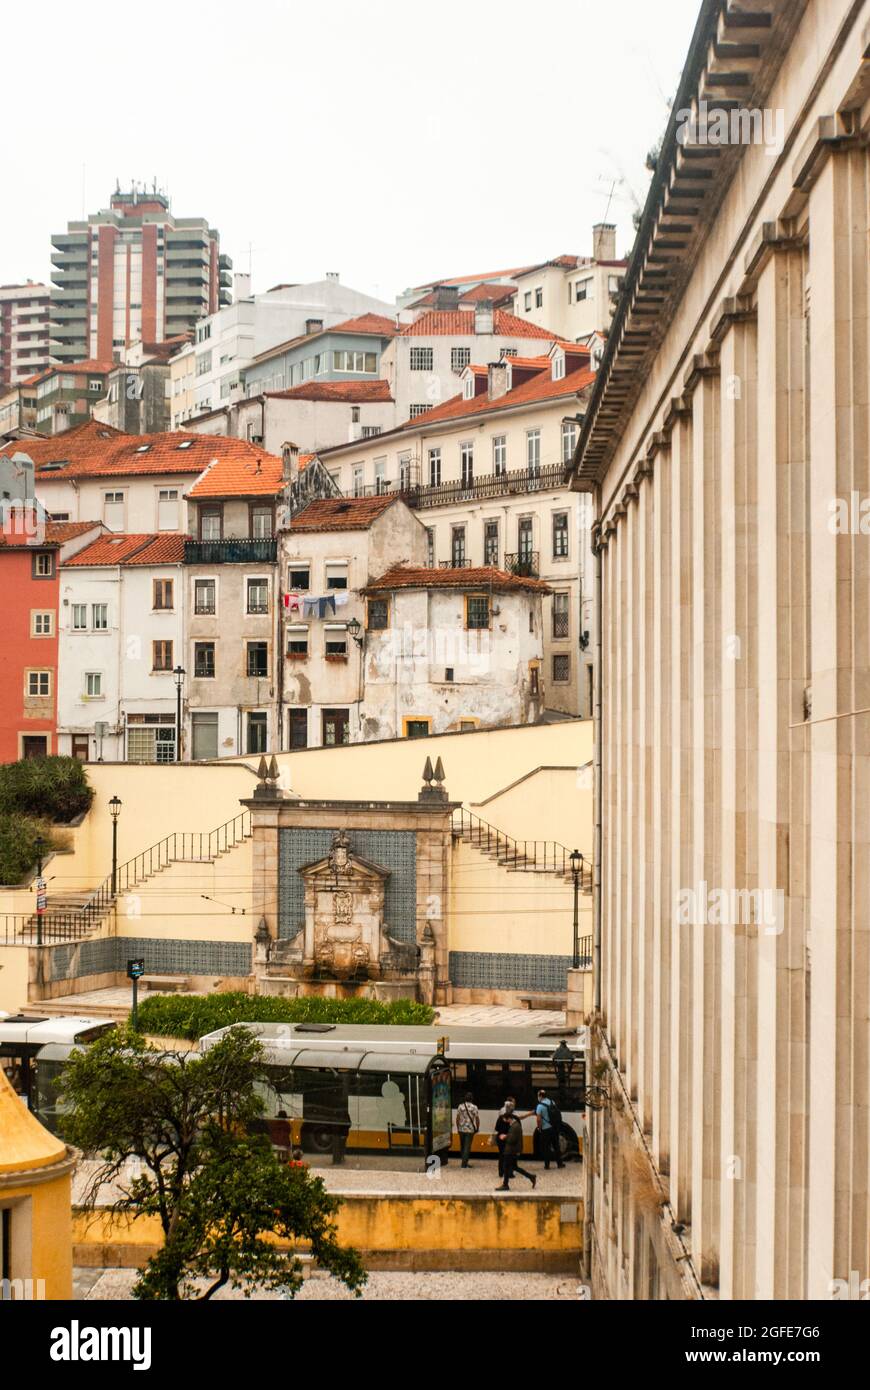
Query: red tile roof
(355, 391)
(162, 549)
(90, 364)
(376, 324)
(342, 513)
(459, 323)
(485, 577)
(259, 475)
(540, 387)
(55, 533)
(496, 294)
(97, 450)
(474, 279)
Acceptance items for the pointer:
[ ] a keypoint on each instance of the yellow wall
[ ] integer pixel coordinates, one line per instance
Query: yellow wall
(51, 1233)
(495, 909)
(374, 1223)
(13, 978)
(553, 803)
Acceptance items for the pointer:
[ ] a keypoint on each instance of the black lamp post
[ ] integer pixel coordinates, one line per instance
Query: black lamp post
(563, 1061)
(40, 887)
(114, 812)
(179, 673)
(576, 866)
(355, 628)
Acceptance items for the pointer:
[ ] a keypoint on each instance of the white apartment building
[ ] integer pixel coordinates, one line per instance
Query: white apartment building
(573, 295)
(24, 333)
(423, 362)
(484, 473)
(207, 375)
(135, 484)
(119, 639)
(322, 413)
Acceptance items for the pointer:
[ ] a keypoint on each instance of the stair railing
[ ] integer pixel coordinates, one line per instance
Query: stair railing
(548, 855)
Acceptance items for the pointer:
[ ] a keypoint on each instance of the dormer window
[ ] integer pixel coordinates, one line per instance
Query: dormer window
(558, 366)
(469, 387)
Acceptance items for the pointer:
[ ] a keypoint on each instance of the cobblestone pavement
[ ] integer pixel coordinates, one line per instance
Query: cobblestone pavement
(499, 1016)
(115, 1284)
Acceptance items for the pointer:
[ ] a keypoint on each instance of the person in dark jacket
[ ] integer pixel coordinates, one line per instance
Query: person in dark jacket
(509, 1137)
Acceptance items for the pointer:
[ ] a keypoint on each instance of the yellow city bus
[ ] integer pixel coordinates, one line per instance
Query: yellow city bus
(369, 1086)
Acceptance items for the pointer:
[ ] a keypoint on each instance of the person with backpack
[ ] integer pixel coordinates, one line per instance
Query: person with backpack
(467, 1125)
(549, 1128)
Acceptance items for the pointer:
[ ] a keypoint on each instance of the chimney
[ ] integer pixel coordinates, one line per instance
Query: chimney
(499, 379)
(332, 275)
(604, 241)
(484, 317)
(241, 287)
(446, 297)
(289, 461)
(313, 326)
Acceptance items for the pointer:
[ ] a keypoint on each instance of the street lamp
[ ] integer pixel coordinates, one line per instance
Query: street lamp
(179, 673)
(39, 846)
(576, 859)
(114, 812)
(354, 628)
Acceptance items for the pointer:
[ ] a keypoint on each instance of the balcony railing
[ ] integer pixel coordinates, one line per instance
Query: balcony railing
(519, 481)
(241, 551)
(525, 565)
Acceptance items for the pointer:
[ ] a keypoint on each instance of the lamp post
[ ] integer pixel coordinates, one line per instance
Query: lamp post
(576, 866)
(40, 888)
(114, 812)
(179, 673)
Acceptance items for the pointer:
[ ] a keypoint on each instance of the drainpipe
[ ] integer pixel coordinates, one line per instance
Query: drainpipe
(597, 755)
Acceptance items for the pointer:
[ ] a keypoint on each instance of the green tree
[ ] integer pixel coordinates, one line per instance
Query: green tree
(188, 1123)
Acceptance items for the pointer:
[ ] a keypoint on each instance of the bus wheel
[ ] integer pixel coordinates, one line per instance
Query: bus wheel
(317, 1139)
(569, 1145)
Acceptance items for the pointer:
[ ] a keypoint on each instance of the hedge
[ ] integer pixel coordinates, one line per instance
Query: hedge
(18, 836)
(52, 789)
(191, 1016)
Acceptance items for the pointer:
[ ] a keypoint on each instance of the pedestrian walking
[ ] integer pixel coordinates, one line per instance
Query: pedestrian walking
(467, 1125)
(549, 1121)
(509, 1136)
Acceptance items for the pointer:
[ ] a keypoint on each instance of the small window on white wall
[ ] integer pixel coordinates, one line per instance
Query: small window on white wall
(167, 509)
(113, 510)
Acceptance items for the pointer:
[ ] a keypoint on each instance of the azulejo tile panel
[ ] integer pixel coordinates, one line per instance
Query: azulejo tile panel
(495, 970)
(395, 850)
(162, 957)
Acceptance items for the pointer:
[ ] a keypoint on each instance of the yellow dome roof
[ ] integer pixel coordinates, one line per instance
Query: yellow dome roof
(24, 1142)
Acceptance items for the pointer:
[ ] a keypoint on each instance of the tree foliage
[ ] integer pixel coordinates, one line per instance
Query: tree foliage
(175, 1137)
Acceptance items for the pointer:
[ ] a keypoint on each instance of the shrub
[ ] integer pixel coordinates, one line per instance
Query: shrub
(18, 836)
(191, 1016)
(54, 789)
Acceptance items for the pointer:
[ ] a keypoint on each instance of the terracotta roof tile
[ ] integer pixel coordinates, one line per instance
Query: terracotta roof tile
(342, 513)
(540, 387)
(90, 364)
(97, 450)
(459, 323)
(258, 475)
(484, 577)
(475, 279)
(55, 533)
(377, 324)
(161, 549)
(496, 294)
(355, 391)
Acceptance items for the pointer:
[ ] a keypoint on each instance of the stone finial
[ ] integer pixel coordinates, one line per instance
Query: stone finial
(274, 772)
(262, 769)
(428, 792)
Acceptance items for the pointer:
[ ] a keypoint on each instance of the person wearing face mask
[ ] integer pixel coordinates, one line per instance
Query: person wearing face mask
(508, 1135)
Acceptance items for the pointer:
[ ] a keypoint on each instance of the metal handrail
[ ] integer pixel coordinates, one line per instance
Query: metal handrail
(548, 855)
(191, 846)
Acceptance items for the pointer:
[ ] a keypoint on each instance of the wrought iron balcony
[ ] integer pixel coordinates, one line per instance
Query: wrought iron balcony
(239, 551)
(526, 565)
(516, 482)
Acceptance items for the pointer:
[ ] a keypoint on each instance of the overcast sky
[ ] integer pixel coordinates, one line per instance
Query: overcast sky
(393, 141)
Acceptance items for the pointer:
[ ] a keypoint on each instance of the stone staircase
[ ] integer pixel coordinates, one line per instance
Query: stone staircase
(546, 857)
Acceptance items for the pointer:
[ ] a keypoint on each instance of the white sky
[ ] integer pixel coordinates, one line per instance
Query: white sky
(391, 140)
